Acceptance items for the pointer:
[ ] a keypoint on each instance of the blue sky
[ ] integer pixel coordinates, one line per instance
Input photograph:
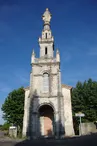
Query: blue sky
(74, 27)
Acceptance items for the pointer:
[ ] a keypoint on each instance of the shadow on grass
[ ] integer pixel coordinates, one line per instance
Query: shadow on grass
(89, 140)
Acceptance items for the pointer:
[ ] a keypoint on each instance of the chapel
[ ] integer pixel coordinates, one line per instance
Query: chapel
(47, 105)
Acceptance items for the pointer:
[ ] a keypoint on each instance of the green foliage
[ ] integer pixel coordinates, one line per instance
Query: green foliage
(0, 127)
(84, 99)
(5, 126)
(13, 107)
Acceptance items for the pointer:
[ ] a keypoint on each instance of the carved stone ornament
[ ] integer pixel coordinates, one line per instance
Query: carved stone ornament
(46, 16)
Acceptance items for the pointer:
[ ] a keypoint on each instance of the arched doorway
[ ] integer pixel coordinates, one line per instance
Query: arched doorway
(46, 119)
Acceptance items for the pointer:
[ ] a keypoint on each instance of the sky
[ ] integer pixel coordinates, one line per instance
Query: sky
(74, 27)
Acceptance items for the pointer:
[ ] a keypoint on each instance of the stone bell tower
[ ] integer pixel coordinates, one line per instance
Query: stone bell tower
(47, 110)
(46, 41)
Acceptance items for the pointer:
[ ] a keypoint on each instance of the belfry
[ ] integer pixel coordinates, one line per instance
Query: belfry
(47, 109)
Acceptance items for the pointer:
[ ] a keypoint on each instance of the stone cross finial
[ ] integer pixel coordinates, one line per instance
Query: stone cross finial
(46, 16)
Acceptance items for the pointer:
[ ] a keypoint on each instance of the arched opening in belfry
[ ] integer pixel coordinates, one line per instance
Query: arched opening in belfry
(46, 119)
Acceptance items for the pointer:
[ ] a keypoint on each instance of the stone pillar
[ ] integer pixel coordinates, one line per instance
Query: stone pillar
(62, 118)
(37, 126)
(13, 131)
(34, 125)
(26, 113)
(60, 106)
(56, 124)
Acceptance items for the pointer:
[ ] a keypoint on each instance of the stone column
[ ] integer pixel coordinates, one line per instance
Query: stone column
(56, 116)
(62, 118)
(34, 125)
(26, 113)
(59, 101)
(37, 125)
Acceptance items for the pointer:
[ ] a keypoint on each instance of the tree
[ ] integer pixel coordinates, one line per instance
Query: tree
(13, 107)
(0, 127)
(5, 126)
(84, 99)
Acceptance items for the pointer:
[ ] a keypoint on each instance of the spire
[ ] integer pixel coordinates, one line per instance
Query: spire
(46, 41)
(57, 51)
(57, 56)
(33, 57)
(33, 53)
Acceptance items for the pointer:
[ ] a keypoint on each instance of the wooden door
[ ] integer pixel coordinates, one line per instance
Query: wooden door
(48, 126)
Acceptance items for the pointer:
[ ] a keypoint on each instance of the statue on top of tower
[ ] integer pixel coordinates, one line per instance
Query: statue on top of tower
(46, 16)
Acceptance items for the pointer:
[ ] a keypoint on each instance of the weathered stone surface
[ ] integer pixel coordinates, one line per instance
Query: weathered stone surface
(57, 97)
(88, 128)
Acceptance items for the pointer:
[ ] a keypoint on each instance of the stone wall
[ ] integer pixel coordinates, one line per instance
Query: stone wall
(68, 122)
(88, 128)
(13, 131)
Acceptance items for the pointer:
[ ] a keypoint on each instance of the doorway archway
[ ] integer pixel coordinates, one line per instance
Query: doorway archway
(46, 119)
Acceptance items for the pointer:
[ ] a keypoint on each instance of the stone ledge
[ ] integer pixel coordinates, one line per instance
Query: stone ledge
(66, 86)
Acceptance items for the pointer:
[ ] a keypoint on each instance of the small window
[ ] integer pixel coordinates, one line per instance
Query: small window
(45, 50)
(46, 35)
(53, 47)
